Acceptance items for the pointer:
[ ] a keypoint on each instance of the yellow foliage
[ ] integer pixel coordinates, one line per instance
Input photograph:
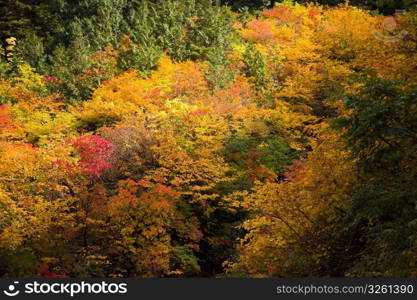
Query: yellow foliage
(28, 80)
(289, 215)
(31, 197)
(127, 94)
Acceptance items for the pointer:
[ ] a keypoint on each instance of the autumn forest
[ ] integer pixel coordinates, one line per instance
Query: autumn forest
(201, 138)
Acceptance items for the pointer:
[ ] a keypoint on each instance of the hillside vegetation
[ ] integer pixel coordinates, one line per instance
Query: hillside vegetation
(191, 138)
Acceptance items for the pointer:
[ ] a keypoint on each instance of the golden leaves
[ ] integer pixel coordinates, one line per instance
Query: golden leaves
(286, 213)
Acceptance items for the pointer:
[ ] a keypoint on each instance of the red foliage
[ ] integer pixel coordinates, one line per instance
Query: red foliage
(258, 31)
(313, 13)
(92, 72)
(95, 152)
(155, 95)
(281, 13)
(293, 171)
(51, 79)
(276, 12)
(255, 170)
(63, 165)
(188, 230)
(197, 113)
(5, 117)
(164, 190)
(46, 273)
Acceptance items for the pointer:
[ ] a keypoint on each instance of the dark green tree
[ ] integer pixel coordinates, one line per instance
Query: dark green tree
(381, 133)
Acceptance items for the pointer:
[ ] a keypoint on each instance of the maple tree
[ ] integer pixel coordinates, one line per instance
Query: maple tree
(291, 216)
(181, 138)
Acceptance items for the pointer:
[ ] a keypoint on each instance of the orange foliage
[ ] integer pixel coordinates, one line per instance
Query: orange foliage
(258, 31)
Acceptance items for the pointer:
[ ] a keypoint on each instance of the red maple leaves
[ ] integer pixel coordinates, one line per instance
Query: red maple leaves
(95, 152)
(5, 118)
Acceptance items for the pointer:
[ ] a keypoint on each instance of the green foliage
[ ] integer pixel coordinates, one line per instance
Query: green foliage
(199, 25)
(219, 73)
(256, 68)
(23, 263)
(275, 155)
(185, 260)
(67, 34)
(255, 5)
(31, 50)
(383, 6)
(381, 130)
(381, 133)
